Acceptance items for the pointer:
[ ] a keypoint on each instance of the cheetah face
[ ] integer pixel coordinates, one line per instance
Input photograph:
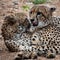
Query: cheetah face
(39, 15)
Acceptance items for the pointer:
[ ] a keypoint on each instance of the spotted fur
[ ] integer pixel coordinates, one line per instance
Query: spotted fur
(42, 42)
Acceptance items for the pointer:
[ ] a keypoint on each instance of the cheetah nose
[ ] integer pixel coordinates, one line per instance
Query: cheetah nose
(53, 9)
(32, 20)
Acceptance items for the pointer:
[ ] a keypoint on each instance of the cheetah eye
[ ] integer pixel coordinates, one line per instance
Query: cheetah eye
(35, 36)
(26, 19)
(39, 13)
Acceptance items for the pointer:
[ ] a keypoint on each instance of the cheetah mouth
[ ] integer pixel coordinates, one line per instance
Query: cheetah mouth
(35, 23)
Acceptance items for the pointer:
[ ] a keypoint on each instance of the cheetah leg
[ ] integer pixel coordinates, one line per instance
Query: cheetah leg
(27, 55)
(50, 54)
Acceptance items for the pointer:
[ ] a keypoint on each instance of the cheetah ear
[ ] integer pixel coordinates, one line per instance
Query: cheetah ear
(10, 20)
(52, 9)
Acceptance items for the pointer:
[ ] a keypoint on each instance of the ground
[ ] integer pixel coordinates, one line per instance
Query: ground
(7, 7)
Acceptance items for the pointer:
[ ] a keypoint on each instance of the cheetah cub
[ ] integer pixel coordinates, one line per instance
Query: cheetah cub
(14, 23)
(13, 26)
(40, 16)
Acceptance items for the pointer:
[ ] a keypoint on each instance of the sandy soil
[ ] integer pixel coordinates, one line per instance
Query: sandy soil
(8, 7)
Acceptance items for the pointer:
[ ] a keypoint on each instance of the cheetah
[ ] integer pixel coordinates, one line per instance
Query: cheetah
(42, 42)
(14, 23)
(45, 40)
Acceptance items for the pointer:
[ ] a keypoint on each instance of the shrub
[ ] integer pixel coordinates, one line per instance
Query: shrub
(39, 1)
(26, 7)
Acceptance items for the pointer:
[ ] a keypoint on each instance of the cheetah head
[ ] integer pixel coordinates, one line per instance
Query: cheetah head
(40, 15)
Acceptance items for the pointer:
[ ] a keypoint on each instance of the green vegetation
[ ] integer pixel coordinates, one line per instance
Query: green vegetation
(39, 1)
(26, 7)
